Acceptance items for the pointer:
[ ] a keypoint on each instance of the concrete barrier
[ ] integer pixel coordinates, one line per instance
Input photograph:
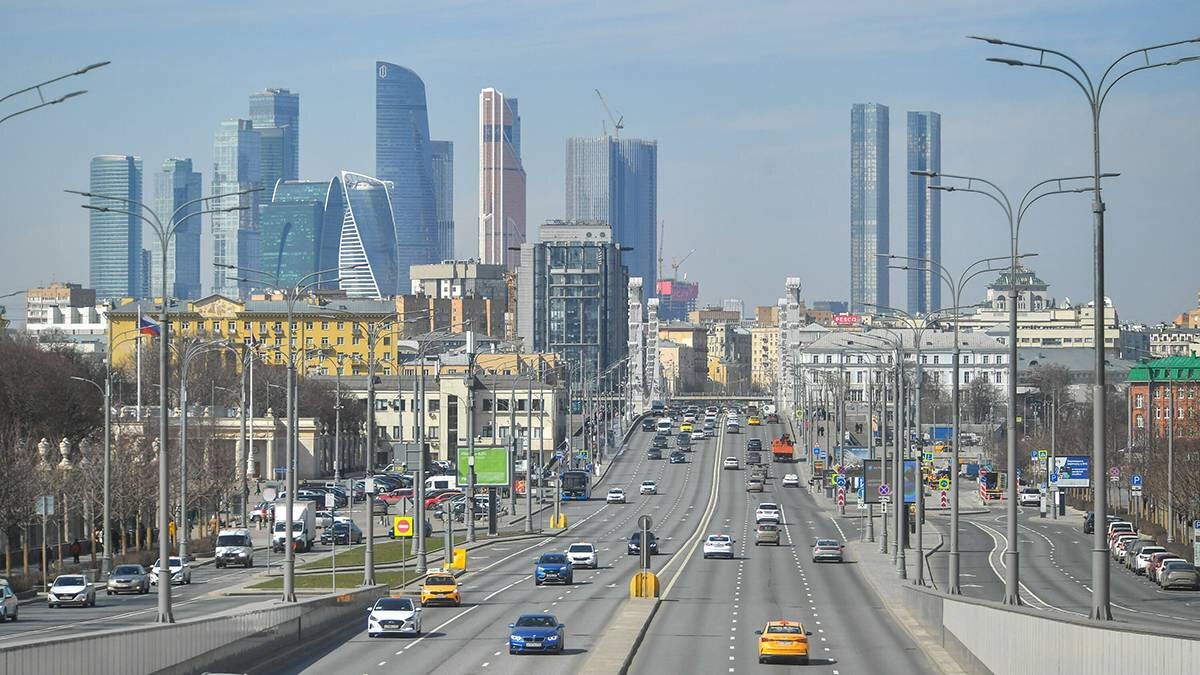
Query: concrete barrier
(232, 640)
(988, 637)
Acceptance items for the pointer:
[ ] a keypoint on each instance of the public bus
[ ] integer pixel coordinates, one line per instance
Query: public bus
(576, 485)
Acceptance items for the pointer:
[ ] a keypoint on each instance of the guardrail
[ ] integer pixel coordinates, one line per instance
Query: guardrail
(232, 640)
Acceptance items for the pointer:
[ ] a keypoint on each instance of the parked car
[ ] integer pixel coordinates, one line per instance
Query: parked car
(343, 533)
(128, 579)
(324, 519)
(71, 589)
(9, 607)
(1156, 562)
(1142, 561)
(1180, 574)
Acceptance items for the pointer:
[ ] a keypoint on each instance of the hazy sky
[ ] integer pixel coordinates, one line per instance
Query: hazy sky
(749, 101)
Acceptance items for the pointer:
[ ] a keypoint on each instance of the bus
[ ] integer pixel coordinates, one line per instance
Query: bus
(576, 485)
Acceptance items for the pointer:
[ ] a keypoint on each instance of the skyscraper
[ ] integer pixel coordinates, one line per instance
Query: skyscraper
(368, 239)
(868, 207)
(404, 159)
(442, 153)
(300, 229)
(501, 180)
(236, 167)
(616, 182)
(115, 239)
(924, 212)
(176, 184)
(276, 115)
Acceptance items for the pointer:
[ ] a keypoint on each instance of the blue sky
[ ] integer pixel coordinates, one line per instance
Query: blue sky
(749, 102)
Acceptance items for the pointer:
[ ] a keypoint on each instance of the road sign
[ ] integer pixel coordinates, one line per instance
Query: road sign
(884, 499)
(1114, 471)
(330, 500)
(1042, 455)
(884, 490)
(840, 480)
(402, 526)
(644, 522)
(837, 468)
(1053, 477)
(1135, 491)
(943, 483)
(945, 499)
(841, 496)
(929, 457)
(269, 494)
(45, 505)
(1136, 480)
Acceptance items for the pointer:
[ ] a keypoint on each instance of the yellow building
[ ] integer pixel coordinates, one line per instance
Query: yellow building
(764, 356)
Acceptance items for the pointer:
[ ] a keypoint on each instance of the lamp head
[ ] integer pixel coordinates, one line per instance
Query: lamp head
(984, 38)
(924, 172)
(91, 67)
(1007, 62)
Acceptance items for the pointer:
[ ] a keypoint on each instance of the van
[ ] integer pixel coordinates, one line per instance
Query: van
(441, 483)
(732, 427)
(234, 547)
(663, 426)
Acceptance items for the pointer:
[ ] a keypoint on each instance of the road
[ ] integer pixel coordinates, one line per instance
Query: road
(707, 620)
(472, 638)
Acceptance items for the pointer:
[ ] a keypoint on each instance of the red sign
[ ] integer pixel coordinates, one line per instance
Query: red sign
(846, 319)
(945, 499)
(841, 496)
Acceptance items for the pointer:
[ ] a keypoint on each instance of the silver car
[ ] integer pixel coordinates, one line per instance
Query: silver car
(1179, 574)
(128, 579)
(71, 589)
(8, 603)
(754, 485)
(766, 533)
(827, 549)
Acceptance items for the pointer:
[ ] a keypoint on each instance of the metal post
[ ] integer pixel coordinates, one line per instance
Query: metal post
(183, 531)
(164, 519)
(870, 451)
(469, 507)
(952, 583)
(512, 433)
(883, 515)
(245, 440)
(337, 424)
(1053, 449)
(369, 551)
(289, 541)
(1170, 461)
(1011, 553)
(419, 487)
(920, 448)
(106, 559)
(529, 457)
(898, 556)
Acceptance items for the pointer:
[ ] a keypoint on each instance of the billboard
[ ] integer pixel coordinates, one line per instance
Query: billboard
(1073, 471)
(846, 319)
(911, 480)
(493, 467)
(871, 473)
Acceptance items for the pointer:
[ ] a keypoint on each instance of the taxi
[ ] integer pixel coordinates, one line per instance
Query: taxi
(783, 639)
(686, 428)
(440, 588)
(753, 421)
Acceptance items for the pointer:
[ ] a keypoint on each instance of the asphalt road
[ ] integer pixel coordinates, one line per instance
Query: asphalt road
(499, 585)
(707, 621)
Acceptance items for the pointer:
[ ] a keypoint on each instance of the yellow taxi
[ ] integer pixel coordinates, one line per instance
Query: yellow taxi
(753, 421)
(685, 428)
(783, 639)
(440, 588)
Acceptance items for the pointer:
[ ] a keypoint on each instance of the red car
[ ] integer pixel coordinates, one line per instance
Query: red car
(439, 496)
(395, 496)
(772, 418)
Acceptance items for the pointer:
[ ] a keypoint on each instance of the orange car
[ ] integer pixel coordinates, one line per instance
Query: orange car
(440, 589)
(783, 639)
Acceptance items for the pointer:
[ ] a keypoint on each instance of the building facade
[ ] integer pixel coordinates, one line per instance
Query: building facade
(869, 223)
(1163, 399)
(115, 239)
(615, 181)
(367, 246)
(764, 357)
(275, 113)
(300, 227)
(501, 180)
(236, 168)
(442, 154)
(175, 185)
(924, 212)
(461, 279)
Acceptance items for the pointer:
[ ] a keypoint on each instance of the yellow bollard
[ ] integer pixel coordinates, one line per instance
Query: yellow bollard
(459, 559)
(643, 585)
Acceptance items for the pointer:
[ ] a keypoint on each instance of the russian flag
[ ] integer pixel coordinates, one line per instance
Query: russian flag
(147, 326)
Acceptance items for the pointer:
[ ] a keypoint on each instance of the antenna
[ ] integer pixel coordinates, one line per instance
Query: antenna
(616, 121)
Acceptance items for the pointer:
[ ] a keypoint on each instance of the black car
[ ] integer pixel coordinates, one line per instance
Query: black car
(753, 458)
(342, 534)
(678, 457)
(660, 442)
(654, 453)
(684, 441)
(648, 424)
(754, 444)
(635, 543)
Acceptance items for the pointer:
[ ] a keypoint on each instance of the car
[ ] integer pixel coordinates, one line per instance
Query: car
(827, 549)
(654, 453)
(718, 546)
(71, 589)
(128, 579)
(1179, 574)
(396, 496)
(660, 442)
(343, 533)
(393, 616)
(768, 511)
(686, 428)
(753, 421)
(1161, 566)
(754, 444)
(766, 533)
(772, 418)
(648, 487)
(1132, 548)
(1143, 558)
(440, 589)
(1029, 496)
(790, 480)
(678, 457)
(180, 572)
(582, 554)
(536, 633)
(553, 567)
(648, 424)
(437, 496)
(1120, 526)
(234, 547)
(1119, 543)
(1156, 562)
(783, 639)
(754, 484)
(698, 435)
(635, 543)
(615, 496)
(709, 424)
(9, 607)
(753, 458)
(730, 463)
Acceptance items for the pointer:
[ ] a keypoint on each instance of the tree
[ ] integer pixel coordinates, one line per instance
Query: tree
(978, 400)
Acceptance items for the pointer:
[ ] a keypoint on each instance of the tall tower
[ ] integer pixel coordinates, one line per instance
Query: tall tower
(404, 160)
(868, 207)
(276, 116)
(176, 184)
(236, 167)
(501, 180)
(443, 195)
(924, 212)
(115, 239)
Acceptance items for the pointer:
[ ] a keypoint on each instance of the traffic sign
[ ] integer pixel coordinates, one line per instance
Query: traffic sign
(884, 490)
(330, 500)
(1053, 477)
(945, 499)
(402, 526)
(1136, 480)
(840, 480)
(1114, 471)
(839, 469)
(841, 496)
(929, 457)
(269, 494)
(1042, 455)
(1034, 454)
(644, 522)
(943, 483)
(1135, 491)
(45, 505)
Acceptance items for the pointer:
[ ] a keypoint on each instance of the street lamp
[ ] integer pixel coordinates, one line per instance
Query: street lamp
(1096, 94)
(42, 97)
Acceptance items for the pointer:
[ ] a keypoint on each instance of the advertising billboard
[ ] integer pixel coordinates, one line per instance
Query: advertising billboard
(911, 479)
(846, 319)
(492, 467)
(1073, 471)
(872, 474)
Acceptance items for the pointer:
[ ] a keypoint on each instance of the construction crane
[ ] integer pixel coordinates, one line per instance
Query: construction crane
(676, 263)
(662, 226)
(616, 121)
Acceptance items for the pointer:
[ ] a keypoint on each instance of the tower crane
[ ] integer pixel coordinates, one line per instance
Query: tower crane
(675, 264)
(616, 121)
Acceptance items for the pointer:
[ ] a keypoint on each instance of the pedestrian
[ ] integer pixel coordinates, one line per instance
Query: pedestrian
(75, 548)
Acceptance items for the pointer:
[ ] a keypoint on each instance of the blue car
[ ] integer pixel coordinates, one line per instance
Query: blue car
(553, 567)
(536, 633)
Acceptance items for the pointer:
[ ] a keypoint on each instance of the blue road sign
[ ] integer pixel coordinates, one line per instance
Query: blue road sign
(1035, 455)
(862, 491)
(1135, 480)
(840, 480)
(884, 490)
(1053, 478)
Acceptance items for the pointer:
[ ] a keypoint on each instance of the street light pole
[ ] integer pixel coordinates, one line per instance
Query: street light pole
(41, 95)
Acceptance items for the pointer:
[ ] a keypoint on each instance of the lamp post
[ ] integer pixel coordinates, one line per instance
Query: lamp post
(1096, 92)
(106, 392)
(42, 96)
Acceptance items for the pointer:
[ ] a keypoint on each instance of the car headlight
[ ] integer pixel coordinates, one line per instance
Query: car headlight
(80, 595)
(551, 638)
(516, 638)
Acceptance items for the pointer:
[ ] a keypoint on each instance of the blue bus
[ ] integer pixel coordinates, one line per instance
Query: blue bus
(576, 485)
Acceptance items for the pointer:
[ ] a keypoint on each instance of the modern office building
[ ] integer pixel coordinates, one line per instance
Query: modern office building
(236, 167)
(404, 158)
(615, 181)
(368, 239)
(572, 290)
(868, 207)
(501, 180)
(924, 212)
(442, 153)
(300, 229)
(115, 239)
(176, 184)
(276, 115)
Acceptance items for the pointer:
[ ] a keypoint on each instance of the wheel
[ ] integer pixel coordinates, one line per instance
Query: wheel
(761, 660)
(371, 635)
(108, 592)
(511, 651)
(250, 563)
(536, 582)
(52, 606)
(14, 616)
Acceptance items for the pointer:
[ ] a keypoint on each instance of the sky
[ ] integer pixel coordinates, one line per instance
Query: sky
(749, 102)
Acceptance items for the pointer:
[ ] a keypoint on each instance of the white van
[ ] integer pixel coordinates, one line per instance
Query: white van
(449, 482)
(732, 427)
(663, 426)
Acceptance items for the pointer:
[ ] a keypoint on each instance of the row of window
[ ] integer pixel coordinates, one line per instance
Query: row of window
(1139, 401)
(488, 404)
(964, 359)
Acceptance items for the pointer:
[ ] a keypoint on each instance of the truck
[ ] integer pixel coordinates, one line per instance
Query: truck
(304, 525)
(782, 449)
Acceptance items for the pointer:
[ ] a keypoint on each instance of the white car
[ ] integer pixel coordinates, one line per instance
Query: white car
(1029, 496)
(768, 511)
(615, 496)
(71, 589)
(718, 546)
(8, 604)
(394, 616)
(648, 487)
(180, 572)
(698, 435)
(324, 519)
(582, 554)
(730, 463)
(791, 480)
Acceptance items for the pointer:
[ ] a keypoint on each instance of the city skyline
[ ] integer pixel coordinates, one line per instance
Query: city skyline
(870, 224)
(502, 225)
(115, 240)
(924, 281)
(177, 183)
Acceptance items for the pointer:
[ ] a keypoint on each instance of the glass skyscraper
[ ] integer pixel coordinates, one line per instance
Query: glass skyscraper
(868, 207)
(616, 182)
(115, 239)
(443, 193)
(501, 180)
(276, 115)
(300, 229)
(403, 158)
(924, 212)
(236, 167)
(368, 238)
(176, 184)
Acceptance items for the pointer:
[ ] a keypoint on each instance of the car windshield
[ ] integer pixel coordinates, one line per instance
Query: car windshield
(394, 604)
(766, 527)
(827, 543)
(647, 483)
(70, 581)
(1178, 566)
(233, 540)
(719, 538)
(440, 581)
(580, 548)
(281, 526)
(553, 558)
(127, 569)
(174, 562)
(616, 492)
(537, 622)
(789, 630)
(766, 506)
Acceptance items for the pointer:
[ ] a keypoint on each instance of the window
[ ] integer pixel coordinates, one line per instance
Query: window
(966, 378)
(293, 325)
(324, 325)
(985, 359)
(341, 341)
(435, 405)
(1139, 421)
(233, 327)
(537, 405)
(325, 342)
(184, 325)
(966, 359)
(216, 327)
(828, 357)
(999, 376)
(246, 326)
(487, 429)
(924, 360)
(341, 325)
(521, 405)
(1157, 413)
(502, 405)
(487, 405)
(1139, 401)
(278, 326)
(1179, 413)
(936, 358)
(308, 325)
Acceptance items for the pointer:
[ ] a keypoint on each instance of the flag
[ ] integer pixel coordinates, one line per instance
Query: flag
(147, 326)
